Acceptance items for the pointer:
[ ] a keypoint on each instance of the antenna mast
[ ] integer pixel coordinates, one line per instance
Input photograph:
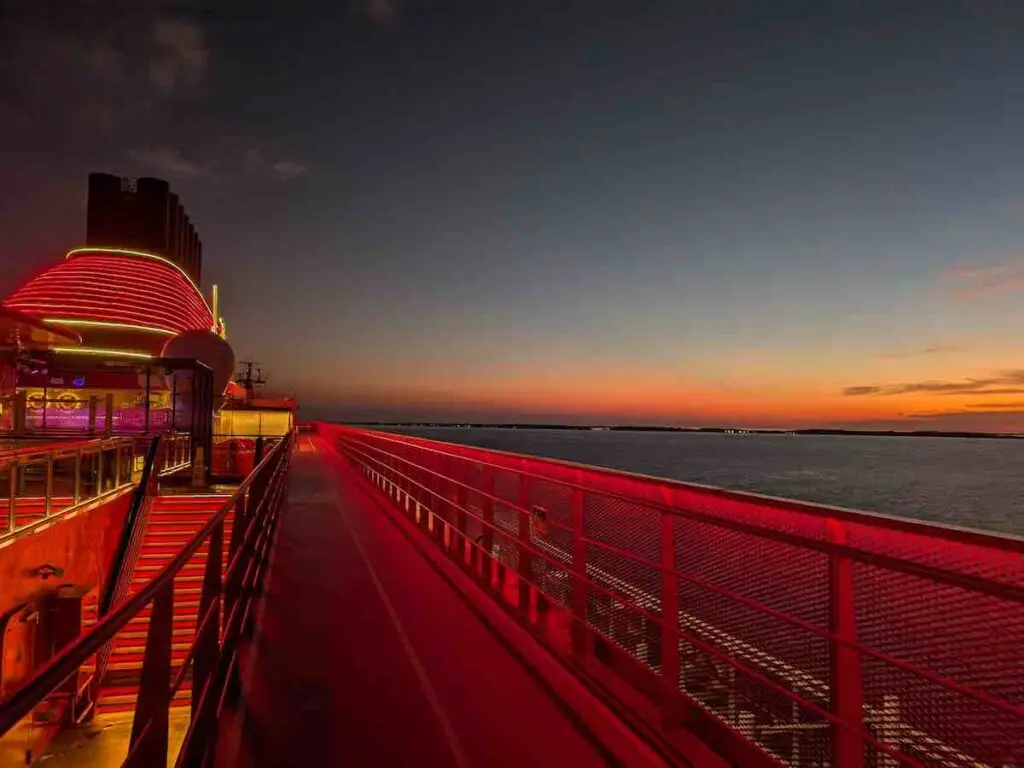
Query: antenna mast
(250, 375)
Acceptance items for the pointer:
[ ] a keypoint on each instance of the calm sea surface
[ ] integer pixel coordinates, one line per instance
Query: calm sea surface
(977, 483)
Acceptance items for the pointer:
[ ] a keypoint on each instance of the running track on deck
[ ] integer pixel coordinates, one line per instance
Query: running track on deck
(366, 656)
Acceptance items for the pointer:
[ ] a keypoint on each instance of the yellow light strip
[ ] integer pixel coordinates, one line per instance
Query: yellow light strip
(103, 352)
(107, 324)
(145, 255)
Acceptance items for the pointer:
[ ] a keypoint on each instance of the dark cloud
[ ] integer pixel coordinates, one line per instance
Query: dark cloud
(285, 170)
(94, 63)
(167, 162)
(1000, 384)
(179, 56)
(381, 12)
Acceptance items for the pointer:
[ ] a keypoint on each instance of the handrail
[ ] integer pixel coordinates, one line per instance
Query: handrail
(59, 449)
(559, 558)
(79, 483)
(132, 533)
(1013, 590)
(826, 624)
(255, 502)
(949, 531)
(123, 568)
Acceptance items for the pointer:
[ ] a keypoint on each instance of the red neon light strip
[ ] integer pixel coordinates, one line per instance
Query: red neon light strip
(50, 290)
(128, 294)
(125, 293)
(134, 254)
(128, 317)
(124, 277)
(124, 318)
(168, 311)
(122, 269)
(153, 271)
(60, 291)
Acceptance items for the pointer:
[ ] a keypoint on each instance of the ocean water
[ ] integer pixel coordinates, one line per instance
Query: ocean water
(974, 483)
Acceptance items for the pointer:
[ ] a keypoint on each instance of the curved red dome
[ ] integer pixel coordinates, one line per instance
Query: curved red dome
(113, 287)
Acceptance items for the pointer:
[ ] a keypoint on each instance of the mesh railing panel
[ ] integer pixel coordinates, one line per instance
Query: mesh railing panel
(824, 636)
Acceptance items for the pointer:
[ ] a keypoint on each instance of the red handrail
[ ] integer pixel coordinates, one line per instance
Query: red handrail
(813, 606)
(213, 655)
(962, 534)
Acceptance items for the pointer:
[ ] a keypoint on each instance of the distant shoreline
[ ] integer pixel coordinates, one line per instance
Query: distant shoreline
(711, 430)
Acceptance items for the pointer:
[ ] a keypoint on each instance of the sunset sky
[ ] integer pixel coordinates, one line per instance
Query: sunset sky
(751, 213)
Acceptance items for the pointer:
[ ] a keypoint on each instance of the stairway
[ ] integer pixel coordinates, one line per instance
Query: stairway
(173, 521)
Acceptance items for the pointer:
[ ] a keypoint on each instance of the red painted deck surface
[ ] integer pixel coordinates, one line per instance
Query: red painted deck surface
(366, 656)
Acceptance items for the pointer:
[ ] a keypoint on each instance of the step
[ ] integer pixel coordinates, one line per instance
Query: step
(157, 523)
(154, 553)
(183, 623)
(179, 605)
(189, 577)
(125, 702)
(154, 568)
(141, 648)
(140, 635)
(189, 498)
(168, 532)
(184, 589)
(184, 618)
(133, 662)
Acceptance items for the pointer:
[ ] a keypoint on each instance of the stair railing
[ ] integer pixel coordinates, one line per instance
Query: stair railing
(233, 583)
(123, 568)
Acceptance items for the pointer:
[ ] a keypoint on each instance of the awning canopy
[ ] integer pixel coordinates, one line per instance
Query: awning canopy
(21, 331)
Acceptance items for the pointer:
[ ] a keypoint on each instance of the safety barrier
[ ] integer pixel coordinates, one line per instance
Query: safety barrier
(175, 453)
(118, 584)
(778, 631)
(40, 483)
(233, 456)
(233, 576)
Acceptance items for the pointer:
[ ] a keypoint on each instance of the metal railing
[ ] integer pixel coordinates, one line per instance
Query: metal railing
(175, 453)
(40, 483)
(233, 456)
(823, 636)
(122, 570)
(232, 582)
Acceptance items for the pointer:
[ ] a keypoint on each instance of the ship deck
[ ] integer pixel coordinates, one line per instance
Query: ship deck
(366, 655)
(382, 627)
(366, 642)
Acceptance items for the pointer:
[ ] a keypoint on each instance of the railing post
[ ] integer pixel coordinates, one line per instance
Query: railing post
(238, 526)
(525, 554)
(669, 616)
(12, 497)
(488, 535)
(108, 416)
(48, 504)
(99, 471)
(149, 739)
(78, 475)
(20, 412)
(209, 602)
(846, 682)
(580, 589)
(462, 549)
